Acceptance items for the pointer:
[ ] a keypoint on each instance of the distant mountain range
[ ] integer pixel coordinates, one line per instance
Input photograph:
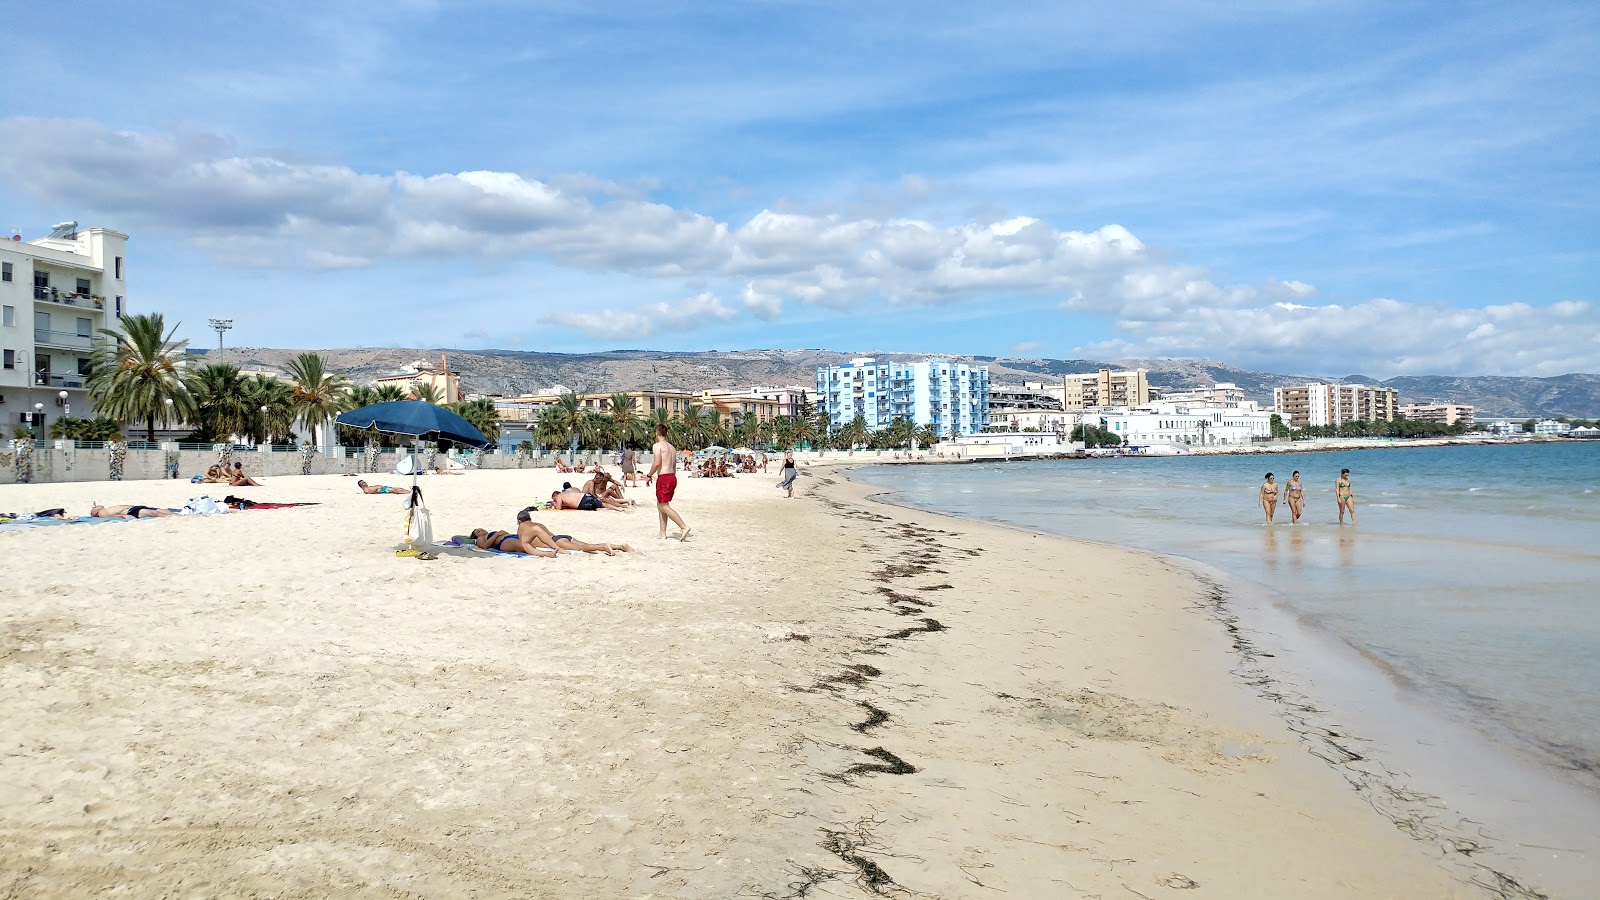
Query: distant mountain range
(511, 372)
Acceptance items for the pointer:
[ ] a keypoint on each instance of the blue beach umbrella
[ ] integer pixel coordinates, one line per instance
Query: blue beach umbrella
(422, 421)
(417, 418)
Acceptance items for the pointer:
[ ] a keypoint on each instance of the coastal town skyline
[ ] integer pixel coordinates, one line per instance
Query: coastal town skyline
(1113, 185)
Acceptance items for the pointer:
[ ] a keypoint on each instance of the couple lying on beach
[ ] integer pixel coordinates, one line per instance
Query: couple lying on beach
(600, 492)
(533, 539)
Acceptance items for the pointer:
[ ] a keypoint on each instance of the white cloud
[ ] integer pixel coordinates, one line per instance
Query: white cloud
(652, 318)
(269, 212)
(1028, 347)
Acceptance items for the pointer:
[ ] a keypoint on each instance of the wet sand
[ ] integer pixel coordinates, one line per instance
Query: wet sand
(817, 697)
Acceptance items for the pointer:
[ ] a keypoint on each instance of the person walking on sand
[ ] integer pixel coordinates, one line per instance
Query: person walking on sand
(1269, 497)
(1295, 493)
(789, 473)
(1345, 496)
(664, 474)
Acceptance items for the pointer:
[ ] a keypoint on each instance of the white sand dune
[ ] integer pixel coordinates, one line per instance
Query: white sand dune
(272, 704)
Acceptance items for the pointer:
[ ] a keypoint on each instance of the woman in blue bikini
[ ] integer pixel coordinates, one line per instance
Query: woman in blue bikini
(506, 542)
(1295, 493)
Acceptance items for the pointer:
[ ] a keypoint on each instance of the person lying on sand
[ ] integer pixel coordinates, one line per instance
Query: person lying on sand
(506, 542)
(573, 498)
(129, 512)
(378, 488)
(533, 534)
(240, 479)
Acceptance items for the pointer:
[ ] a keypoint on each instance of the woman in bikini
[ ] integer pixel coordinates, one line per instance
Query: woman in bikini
(1295, 493)
(1345, 496)
(1269, 497)
(506, 542)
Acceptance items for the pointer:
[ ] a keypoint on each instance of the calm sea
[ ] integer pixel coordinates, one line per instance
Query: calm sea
(1473, 578)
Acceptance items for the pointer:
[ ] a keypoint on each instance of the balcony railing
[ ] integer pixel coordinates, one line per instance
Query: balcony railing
(40, 379)
(68, 298)
(68, 339)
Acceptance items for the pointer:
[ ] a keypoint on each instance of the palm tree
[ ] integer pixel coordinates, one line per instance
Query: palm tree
(560, 422)
(135, 374)
(427, 392)
(273, 402)
(927, 435)
(625, 417)
(318, 394)
(389, 393)
(222, 402)
(596, 429)
(856, 432)
(481, 414)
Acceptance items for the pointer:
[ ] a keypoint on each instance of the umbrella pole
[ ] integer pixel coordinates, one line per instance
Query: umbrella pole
(411, 505)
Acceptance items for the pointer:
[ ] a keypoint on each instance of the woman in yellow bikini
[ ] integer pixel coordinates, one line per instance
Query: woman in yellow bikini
(1295, 493)
(1345, 496)
(1269, 497)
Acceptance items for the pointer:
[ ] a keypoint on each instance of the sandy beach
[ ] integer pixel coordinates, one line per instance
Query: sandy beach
(823, 697)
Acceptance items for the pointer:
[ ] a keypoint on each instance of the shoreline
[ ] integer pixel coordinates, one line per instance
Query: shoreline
(1279, 652)
(808, 696)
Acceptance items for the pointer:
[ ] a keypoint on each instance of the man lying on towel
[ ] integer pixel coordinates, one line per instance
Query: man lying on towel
(130, 512)
(572, 498)
(533, 534)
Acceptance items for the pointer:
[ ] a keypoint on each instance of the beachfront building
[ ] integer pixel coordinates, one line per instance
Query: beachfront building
(1440, 413)
(1320, 404)
(445, 381)
(527, 408)
(765, 403)
(1186, 424)
(1223, 393)
(1030, 395)
(56, 294)
(1041, 420)
(1104, 388)
(953, 398)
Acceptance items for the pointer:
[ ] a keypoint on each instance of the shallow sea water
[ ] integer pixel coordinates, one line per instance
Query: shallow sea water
(1472, 580)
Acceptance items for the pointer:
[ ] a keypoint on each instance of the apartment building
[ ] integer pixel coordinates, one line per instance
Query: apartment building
(56, 294)
(445, 381)
(1030, 395)
(527, 408)
(951, 397)
(1440, 413)
(1104, 388)
(765, 403)
(1317, 404)
(1223, 393)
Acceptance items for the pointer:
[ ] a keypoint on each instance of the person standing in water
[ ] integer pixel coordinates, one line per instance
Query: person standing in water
(664, 473)
(1295, 493)
(1345, 496)
(1269, 497)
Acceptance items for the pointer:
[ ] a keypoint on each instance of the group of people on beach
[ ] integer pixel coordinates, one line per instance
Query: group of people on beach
(1295, 496)
(217, 473)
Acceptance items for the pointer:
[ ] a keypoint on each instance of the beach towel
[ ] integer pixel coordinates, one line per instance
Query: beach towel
(464, 542)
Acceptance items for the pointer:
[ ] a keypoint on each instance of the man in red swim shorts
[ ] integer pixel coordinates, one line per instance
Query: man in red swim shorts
(664, 472)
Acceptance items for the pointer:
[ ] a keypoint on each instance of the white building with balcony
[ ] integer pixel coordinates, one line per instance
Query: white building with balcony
(56, 294)
(951, 397)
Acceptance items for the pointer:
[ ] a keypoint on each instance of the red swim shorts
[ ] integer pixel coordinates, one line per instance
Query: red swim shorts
(666, 486)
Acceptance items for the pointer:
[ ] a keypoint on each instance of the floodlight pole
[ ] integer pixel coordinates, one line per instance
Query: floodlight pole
(220, 326)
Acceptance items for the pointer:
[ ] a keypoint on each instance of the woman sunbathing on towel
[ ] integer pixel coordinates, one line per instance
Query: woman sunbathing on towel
(240, 479)
(506, 542)
(533, 534)
(379, 488)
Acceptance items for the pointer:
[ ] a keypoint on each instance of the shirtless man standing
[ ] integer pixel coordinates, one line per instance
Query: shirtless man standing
(664, 473)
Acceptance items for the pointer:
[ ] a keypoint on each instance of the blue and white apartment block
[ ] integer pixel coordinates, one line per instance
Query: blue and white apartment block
(948, 396)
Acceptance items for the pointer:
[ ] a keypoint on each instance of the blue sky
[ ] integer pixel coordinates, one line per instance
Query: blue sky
(1332, 187)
